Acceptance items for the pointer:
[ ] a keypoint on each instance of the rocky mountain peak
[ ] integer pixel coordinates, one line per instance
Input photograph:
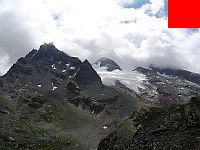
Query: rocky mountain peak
(48, 51)
(108, 63)
(50, 69)
(86, 74)
(49, 48)
(86, 62)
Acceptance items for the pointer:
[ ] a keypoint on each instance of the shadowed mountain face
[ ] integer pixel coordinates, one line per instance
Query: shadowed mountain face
(108, 63)
(86, 74)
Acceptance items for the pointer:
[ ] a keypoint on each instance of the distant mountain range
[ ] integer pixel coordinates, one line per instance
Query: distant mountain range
(50, 100)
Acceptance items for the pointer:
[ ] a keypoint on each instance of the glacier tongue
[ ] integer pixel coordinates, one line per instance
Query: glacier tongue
(131, 79)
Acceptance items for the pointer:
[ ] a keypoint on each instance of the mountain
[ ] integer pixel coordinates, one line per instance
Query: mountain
(175, 127)
(108, 63)
(50, 100)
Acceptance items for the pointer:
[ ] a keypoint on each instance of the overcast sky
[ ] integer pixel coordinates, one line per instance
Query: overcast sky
(132, 32)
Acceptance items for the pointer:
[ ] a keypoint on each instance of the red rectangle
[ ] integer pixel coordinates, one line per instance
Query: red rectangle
(184, 14)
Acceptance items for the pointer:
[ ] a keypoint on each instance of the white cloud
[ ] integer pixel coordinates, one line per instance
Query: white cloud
(95, 28)
(3, 63)
(156, 5)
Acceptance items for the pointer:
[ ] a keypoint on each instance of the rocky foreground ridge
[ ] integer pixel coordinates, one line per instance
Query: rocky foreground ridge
(174, 127)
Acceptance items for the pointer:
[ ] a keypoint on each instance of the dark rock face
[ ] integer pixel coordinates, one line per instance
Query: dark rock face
(109, 63)
(72, 86)
(86, 74)
(37, 102)
(1, 83)
(176, 127)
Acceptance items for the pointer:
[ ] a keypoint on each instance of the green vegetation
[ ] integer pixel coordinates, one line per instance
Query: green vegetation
(30, 127)
(5, 106)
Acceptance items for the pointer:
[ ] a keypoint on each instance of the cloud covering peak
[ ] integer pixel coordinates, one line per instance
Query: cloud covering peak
(132, 32)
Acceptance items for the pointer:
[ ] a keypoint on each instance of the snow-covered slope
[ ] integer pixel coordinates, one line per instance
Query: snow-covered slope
(131, 79)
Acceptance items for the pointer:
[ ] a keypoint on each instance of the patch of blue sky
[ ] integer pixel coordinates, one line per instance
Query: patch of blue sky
(139, 3)
(192, 30)
(136, 4)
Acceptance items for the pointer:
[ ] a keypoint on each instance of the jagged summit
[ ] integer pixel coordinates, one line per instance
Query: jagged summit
(51, 69)
(108, 63)
(48, 51)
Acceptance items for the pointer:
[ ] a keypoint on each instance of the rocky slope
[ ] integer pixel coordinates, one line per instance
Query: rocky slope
(49, 100)
(164, 86)
(175, 127)
(184, 74)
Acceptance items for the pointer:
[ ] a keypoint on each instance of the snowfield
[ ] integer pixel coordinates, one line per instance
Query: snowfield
(131, 79)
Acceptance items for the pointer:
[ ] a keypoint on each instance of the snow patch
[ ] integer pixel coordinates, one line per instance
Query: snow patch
(54, 87)
(39, 85)
(63, 70)
(53, 66)
(67, 65)
(72, 68)
(105, 127)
